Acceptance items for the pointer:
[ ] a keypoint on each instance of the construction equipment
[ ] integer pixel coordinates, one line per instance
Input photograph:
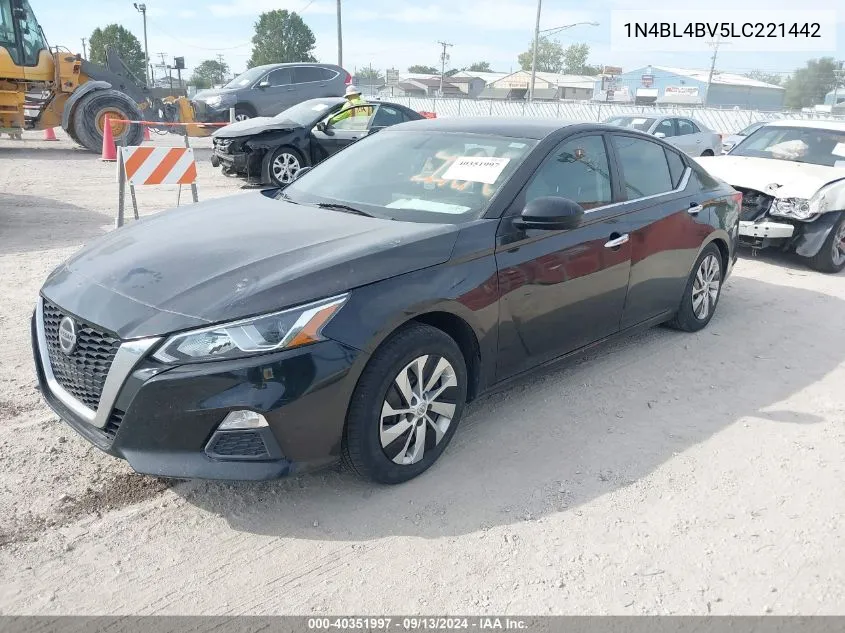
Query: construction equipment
(43, 88)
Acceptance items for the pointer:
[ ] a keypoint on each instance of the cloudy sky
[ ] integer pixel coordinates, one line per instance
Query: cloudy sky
(398, 33)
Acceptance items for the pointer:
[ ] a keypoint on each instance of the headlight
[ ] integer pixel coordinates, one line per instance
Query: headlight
(267, 333)
(799, 208)
(213, 102)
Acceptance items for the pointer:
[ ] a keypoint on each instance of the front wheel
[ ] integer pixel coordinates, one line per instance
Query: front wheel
(406, 406)
(702, 292)
(282, 165)
(831, 256)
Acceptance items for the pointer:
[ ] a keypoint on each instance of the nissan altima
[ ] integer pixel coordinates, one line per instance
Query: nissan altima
(353, 314)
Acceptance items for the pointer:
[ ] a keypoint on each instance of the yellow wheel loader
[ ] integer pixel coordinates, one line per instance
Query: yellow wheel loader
(43, 88)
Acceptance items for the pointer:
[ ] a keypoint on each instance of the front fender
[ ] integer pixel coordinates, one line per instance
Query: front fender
(813, 234)
(77, 94)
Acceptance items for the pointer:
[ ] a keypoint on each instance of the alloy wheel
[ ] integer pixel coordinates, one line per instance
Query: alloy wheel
(418, 409)
(839, 245)
(705, 288)
(284, 167)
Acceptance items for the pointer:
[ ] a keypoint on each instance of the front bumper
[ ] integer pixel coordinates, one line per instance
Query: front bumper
(766, 229)
(237, 162)
(164, 420)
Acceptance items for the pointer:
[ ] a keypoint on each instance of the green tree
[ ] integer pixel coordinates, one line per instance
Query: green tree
(368, 73)
(575, 58)
(281, 36)
(479, 67)
(209, 73)
(761, 75)
(809, 85)
(423, 70)
(549, 56)
(123, 42)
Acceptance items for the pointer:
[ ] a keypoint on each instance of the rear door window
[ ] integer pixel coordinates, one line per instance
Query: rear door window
(686, 126)
(385, 115)
(307, 74)
(644, 167)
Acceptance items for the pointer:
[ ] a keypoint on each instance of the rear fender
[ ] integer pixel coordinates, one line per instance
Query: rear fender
(813, 234)
(76, 95)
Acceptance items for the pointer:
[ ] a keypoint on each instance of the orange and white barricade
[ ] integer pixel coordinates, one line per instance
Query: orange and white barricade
(145, 166)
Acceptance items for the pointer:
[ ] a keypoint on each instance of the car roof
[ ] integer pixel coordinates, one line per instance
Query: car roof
(495, 126)
(286, 64)
(837, 126)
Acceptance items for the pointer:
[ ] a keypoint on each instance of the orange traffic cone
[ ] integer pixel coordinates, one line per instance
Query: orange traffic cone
(50, 135)
(109, 149)
(147, 136)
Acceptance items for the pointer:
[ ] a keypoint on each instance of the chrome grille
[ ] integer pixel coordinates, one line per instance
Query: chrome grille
(82, 372)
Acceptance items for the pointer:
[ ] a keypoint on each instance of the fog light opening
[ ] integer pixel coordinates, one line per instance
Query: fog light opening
(237, 420)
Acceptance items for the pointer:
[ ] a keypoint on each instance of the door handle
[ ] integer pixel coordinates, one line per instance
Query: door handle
(617, 241)
(695, 209)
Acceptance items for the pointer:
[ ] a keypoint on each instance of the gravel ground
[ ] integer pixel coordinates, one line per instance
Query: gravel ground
(665, 473)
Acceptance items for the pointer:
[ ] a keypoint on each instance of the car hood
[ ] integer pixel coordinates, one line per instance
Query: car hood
(795, 180)
(235, 257)
(254, 126)
(205, 95)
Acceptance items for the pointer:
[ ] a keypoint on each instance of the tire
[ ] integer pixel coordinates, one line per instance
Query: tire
(281, 165)
(707, 152)
(89, 117)
(708, 270)
(243, 113)
(831, 256)
(376, 444)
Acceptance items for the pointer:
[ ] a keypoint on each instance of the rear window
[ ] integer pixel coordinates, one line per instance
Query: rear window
(305, 74)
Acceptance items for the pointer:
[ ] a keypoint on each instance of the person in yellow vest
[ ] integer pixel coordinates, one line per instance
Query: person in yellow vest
(352, 107)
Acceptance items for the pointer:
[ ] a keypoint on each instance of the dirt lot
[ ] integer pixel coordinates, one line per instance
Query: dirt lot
(667, 473)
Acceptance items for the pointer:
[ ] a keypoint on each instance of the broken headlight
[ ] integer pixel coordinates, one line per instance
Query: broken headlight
(799, 208)
(267, 333)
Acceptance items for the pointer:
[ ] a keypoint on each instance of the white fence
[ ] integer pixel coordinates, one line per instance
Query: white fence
(722, 121)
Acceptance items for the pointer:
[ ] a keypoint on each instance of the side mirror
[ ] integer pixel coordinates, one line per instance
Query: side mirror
(322, 126)
(550, 213)
(660, 135)
(302, 171)
(264, 84)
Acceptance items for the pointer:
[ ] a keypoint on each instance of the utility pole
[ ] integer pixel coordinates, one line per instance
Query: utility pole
(84, 50)
(838, 76)
(443, 58)
(143, 9)
(534, 52)
(339, 37)
(715, 46)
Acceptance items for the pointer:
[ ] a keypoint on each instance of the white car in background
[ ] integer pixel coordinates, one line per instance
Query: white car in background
(735, 139)
(687, 134)
(792, 178)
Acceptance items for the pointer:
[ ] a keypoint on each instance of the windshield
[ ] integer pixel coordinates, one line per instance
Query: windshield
(638, 123)
(751, 129)
(245, 79)
(415, 176)
(796, 144)
(306, 113)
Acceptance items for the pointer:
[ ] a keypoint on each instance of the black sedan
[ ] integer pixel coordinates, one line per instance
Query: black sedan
(272, 150)
(354, 313)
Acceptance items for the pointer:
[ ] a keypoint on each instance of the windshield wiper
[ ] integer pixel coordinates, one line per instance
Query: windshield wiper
(344, 207)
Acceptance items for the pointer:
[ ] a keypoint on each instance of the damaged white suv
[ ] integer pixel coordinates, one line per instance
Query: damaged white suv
(792, 178)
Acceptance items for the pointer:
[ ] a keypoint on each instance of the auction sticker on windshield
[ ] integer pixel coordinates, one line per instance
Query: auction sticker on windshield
(476, 169)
